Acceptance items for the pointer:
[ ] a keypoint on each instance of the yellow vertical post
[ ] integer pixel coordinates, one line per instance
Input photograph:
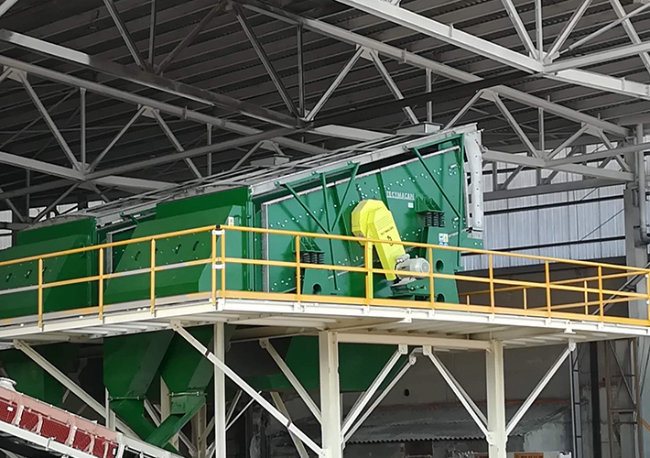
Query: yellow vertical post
(547, 278)
(213, 268)
(647, 276)
(491, 276)
(369, 280)
(525, 299)
(152, 281)
(601, 304)
(432, 287)
(586, 298)
(298, 285)
(100, 292)
(223, 263)
(40, 293)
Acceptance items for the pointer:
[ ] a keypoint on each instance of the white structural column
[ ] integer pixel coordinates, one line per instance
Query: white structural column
(220, 392)
(328, 351)
(496, 401)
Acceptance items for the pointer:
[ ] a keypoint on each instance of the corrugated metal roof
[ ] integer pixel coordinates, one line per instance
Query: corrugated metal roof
(446, 422)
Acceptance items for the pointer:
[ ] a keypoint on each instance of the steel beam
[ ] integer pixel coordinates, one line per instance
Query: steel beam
(279, 404)
(465, 400)
(6, 5)
(610, 153)
(126, 36)
(264, 58)
(598, 57)
(366, 396)
(174, 141)
(69, 384)
(228, 372)
(392, 86)
(415, 60)
(330, 392)
(485, 48)
(152, 31)
(411, 361)
(50, 207)
(335, 84)
(49, 121)
(173, 110)
(496, 401)
(520, 28)
(116, 139)
(145, 79)
(514, 124)
(219, 388)
(446, 33)
(631, 31)
(539, 163)
(189, 39)
(512, 424)
(566, 31)
(293, 380)
(392, 339)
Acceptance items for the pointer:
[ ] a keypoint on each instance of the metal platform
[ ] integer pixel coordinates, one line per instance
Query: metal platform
(498, 313)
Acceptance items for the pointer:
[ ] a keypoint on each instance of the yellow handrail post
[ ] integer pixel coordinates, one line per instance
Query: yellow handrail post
(491, 276)
(213, 268)
(223, 263)
(586, 298)
(525, 299)
(369, 279)
(152, 282)
(647, 276)
(298, 285)
(547, 278)
(600, 292)
(40, 293)
(432, 287)
(100, 292)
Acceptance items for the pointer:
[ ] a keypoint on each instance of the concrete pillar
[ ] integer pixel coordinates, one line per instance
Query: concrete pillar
(330, 394)
(496, 401)
(219, 392)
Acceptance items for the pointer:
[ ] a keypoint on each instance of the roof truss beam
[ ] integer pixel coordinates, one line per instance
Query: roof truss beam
(438, 68)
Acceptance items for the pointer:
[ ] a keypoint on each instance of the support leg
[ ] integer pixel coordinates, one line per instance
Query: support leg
(330, 395)
(219, 392)
(496, 402)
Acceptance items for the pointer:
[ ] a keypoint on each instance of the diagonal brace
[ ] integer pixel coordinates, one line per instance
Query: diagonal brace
(69, 384)
(465, 400)
(538, 389)
(288, 373)
(228, 372)
(259, 49)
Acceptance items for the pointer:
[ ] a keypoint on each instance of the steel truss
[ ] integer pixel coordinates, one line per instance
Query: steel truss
(550, 62)
(334, 432)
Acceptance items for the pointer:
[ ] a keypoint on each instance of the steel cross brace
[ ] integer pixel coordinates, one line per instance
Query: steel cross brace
(471, 407)
(538, 389)
(411, 361)
(228, 372)
(288, 373)
(365, 398)
(69, 384)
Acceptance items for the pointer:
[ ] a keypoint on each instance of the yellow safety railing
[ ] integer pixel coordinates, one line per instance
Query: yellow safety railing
(578, 298)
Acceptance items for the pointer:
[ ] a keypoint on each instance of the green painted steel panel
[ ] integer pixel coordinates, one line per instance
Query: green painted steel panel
(45, 240)
(31, 379)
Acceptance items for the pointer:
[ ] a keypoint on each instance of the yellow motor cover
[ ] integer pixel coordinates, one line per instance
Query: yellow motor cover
(373, 220)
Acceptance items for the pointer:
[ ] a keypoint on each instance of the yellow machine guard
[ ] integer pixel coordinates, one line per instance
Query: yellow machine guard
(372, 219)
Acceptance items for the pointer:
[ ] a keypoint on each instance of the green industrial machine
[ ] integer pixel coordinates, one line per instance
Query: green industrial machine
(418, 188)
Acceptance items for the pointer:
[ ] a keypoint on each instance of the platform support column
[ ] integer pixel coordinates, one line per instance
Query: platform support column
(496, 401)
(219, 392)
(330, 395)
